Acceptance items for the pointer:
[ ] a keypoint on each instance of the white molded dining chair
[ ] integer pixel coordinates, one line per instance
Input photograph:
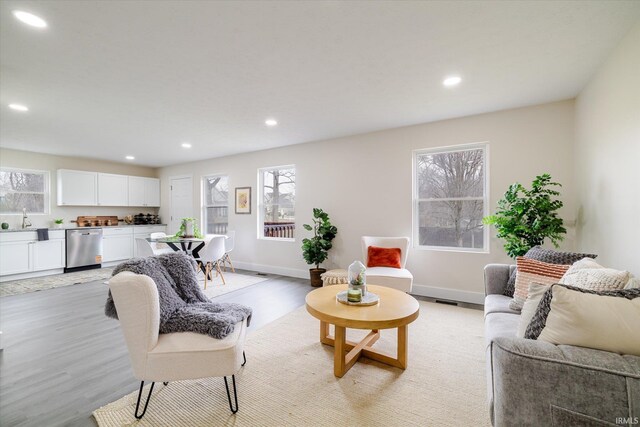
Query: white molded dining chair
(211, 256)
(143, 248)
(229, 244)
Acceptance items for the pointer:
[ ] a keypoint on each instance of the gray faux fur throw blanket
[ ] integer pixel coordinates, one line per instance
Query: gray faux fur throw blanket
(183, 306)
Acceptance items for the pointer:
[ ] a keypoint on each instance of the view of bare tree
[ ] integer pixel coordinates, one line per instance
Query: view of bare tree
(450, 192)
(279, 194)
(20, 190)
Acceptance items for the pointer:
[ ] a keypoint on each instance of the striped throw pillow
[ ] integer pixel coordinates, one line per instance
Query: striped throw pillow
(530, 271)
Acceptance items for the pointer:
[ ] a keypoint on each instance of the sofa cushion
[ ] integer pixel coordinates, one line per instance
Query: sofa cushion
(498, 325)
(397, 278)
(497, 304)
(529, 271)
(588, 274)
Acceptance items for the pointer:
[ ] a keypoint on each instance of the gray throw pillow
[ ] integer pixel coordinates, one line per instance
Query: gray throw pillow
(550, 256)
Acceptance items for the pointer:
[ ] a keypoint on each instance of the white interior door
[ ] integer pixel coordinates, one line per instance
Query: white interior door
(181, 201)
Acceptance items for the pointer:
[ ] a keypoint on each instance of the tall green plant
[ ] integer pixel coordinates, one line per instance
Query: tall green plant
(316, 249)
(526, 217)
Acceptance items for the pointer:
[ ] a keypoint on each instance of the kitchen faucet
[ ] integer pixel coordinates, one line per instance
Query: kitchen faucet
(25, 221)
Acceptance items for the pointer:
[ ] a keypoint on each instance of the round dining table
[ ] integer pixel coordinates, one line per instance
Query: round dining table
(189, 245)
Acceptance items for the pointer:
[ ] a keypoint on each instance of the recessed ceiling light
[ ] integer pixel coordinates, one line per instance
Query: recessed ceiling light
(271, 122)
(452, 81)
(185, 145)
(18, 107)
(30, 19)
(130, 158)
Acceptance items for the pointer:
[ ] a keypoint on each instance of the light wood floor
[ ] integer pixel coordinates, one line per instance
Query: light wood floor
(63, 357)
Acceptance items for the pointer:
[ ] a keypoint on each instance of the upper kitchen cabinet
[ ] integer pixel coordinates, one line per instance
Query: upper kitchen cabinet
(113, 190)
(144, 191)
(77, 188)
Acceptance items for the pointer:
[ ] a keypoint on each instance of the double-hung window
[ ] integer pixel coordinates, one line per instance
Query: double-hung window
(215, 204)
(24, 189)
(277, 200)
(450, 198)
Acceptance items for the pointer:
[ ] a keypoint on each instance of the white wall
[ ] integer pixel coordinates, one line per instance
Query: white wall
(607, 157)
(364, 183)
(51, 163)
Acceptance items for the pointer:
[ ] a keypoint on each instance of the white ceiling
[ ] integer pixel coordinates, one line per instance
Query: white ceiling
(107, 79)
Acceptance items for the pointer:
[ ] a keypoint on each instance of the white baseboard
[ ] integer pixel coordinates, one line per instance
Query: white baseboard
(31, 274)
(272, 269)
(448, 294)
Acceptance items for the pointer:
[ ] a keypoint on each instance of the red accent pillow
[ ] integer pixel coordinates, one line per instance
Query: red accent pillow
(383, 257)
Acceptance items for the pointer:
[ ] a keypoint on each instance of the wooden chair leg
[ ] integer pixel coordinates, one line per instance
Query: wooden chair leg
(228, 258)
(207, 270)
(220, 271)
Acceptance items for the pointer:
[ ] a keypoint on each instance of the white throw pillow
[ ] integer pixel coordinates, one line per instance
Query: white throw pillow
(535, 294)
(594, 321)
(588, 274)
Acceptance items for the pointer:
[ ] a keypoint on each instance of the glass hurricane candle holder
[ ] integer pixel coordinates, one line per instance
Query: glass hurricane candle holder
(357, 277)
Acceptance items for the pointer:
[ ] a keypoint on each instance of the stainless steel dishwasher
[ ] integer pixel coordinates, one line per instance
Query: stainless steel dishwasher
(84, 249)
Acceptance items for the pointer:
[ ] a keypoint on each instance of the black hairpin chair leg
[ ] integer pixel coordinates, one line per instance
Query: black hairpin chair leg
(144, 410)
(235, 393)
(244, 356)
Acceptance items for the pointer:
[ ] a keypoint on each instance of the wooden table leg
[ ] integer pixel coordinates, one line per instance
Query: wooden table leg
(403, 345)
(339, 349)
(325, 338)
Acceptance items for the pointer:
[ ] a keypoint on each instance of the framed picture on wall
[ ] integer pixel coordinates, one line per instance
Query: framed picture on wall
(243, 200)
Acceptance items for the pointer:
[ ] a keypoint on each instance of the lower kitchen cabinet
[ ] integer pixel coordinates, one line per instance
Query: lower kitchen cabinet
(48, 254)
(14, 257)
(23, 253)
(117, 248)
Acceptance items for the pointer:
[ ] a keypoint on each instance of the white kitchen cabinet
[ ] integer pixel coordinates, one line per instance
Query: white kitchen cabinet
(21, 252)
(77, 188)
(14, 257)
(113, 190)
(144, 191)
(117, 244)
(48, 254)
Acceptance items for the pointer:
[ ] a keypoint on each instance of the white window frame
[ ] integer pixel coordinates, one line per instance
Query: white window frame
(203, 200)
(260, 207)
(47, 189)
(485, 205)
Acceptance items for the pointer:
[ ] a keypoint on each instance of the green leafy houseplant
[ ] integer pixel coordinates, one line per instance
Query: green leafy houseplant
(183, 228)
(526, 217)
(315, 250)
(58, 221)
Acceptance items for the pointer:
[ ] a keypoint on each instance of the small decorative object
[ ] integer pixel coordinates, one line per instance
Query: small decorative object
(354, 295)
(243, 200)
(526, 217)
(357, 277)
(189, 228)
(5, 226)
(128, 219)
(58, 222)
(316, 249)
(345, 298)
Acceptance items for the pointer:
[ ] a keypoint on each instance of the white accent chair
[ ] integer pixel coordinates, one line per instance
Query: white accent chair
(211, 256)
(397, 278)
(144, 248)
(170, 357)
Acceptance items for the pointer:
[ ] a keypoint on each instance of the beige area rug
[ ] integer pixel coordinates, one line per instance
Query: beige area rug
(288, 381)
(234, 281)
(23, 286)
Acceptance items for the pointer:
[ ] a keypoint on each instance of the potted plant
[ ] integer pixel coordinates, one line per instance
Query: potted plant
(525, 218)
(189, 228)
(58, 222)
(316, 249)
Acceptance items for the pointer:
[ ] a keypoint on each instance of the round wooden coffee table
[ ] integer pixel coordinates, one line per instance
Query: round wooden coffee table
(396, 309)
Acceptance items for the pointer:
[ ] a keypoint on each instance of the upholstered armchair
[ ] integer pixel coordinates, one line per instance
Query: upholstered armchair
(173, 356)
(397, 278)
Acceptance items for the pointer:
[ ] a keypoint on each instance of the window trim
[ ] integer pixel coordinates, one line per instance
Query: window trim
(203, 205)
(47, 189)
(415, 230)
(260, 203)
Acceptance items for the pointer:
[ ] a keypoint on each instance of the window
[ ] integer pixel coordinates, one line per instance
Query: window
(277, 198)
(215, 204)
(24, 189)
(450, 198)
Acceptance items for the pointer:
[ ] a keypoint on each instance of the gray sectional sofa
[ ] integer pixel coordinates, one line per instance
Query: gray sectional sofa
(536, 383)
